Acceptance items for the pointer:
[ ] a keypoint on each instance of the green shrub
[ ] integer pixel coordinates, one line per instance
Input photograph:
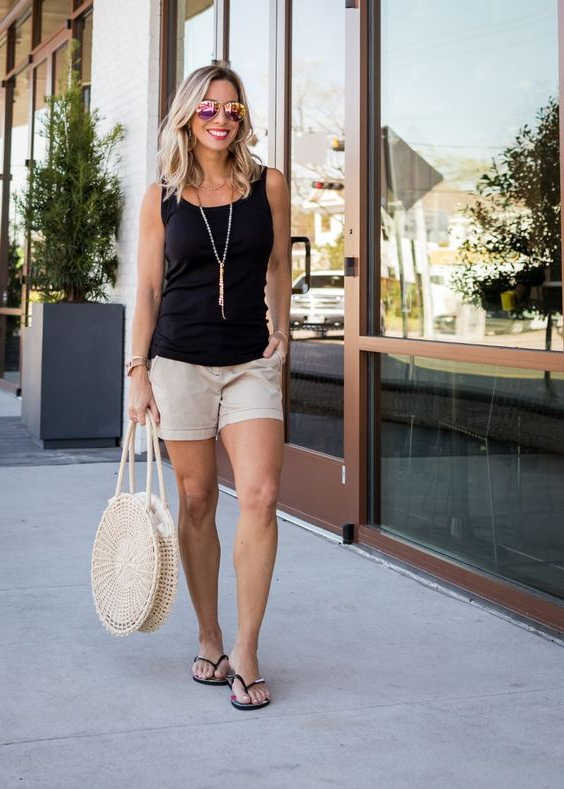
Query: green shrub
(72, 202)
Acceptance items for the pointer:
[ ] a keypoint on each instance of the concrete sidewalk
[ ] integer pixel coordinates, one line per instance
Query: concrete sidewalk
(377, 680)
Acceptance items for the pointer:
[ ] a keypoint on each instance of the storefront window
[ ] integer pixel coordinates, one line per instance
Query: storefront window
(472, 462)
(3, 54)
(19, 146)
(195, 36)
(22, 40)
(60, 70)
(54, 14)
(248, 24)
(19, 91)
(86, 56)
(39, 112)
(317, 184)
(470, 245)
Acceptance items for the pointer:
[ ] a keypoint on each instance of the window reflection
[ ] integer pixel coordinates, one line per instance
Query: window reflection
(19, 150)
(472, 461)
(3, 54)
(22, 45)
(195, 43)
(248, 24)
(61, 69)
(18, 94)
(54, 14)
(39, 112)
(317, 180)
(470, 212)
(85, 33)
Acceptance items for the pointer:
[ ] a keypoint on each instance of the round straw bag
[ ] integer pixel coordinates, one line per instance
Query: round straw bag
(134, 568)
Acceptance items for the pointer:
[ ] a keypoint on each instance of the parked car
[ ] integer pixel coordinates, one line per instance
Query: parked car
(323, 306)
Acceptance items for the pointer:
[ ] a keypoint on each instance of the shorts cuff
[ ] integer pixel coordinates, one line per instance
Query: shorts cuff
(253, 413)
(170, 434)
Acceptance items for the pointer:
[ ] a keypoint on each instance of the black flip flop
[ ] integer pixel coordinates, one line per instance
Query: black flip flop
(239, 704)
(216, 681)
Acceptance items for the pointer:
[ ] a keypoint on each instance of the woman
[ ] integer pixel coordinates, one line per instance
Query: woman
(207, 363)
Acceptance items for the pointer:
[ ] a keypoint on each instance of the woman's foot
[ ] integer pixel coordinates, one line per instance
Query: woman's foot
(246, 664)
(211, 648)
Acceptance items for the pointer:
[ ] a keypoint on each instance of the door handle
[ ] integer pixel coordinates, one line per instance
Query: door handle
(304, 240)
(350, 267)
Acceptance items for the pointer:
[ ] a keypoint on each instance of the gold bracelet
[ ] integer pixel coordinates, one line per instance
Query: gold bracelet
(136, 361)
(281, 331)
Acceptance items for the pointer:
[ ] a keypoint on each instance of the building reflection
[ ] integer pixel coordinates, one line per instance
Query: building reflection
(460, 265)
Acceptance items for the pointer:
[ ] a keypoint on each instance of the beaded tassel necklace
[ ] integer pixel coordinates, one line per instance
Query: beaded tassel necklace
(221, 261)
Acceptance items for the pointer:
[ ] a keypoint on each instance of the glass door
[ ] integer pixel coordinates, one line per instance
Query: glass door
(314, 482)
(301, 80)
(317, 181)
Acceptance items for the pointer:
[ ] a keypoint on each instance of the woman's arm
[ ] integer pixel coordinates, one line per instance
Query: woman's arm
(279, 271)
(150, 269)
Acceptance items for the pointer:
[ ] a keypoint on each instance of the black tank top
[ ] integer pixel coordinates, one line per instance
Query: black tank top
(190, 327)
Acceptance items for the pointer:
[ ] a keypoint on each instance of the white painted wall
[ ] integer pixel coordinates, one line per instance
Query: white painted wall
(125, 88)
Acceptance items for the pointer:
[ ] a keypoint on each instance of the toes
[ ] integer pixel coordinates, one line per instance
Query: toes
(240, 695)
(202, 670)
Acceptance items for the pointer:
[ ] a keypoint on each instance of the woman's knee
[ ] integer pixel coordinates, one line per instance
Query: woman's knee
(261, 497)
(197, 499)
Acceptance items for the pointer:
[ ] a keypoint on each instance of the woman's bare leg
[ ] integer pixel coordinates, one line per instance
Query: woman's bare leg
(196, 477)
(255, 449)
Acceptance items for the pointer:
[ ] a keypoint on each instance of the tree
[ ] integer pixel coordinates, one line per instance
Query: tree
(72, 202)
(514, 241)
(333, 254)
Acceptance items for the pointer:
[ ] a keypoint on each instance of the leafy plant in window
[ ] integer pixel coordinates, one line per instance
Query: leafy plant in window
(332, 254)
(514, 241)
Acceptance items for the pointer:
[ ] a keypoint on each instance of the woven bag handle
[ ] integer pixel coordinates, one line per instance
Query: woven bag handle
(128, 445)
(152, 444)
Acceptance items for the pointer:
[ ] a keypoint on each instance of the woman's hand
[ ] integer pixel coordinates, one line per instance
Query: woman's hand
(141, 396)
(276, 340)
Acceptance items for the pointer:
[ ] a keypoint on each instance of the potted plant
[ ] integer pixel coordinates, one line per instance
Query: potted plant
(72, 366)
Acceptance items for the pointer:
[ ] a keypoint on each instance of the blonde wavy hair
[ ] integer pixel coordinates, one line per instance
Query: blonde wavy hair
(177, 165)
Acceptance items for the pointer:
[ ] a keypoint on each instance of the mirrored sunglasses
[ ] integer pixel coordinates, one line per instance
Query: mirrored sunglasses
(208, 109)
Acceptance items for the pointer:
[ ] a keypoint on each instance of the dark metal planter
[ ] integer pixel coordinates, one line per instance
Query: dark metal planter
(72, 374)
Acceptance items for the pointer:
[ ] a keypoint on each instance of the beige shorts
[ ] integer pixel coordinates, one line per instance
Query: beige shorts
(196, 401)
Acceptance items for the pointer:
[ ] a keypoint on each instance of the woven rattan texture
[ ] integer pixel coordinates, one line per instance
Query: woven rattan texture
(134, 566)
(166, 587)
(125, 565)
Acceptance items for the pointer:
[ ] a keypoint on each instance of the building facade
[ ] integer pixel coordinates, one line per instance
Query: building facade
(424, 387)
